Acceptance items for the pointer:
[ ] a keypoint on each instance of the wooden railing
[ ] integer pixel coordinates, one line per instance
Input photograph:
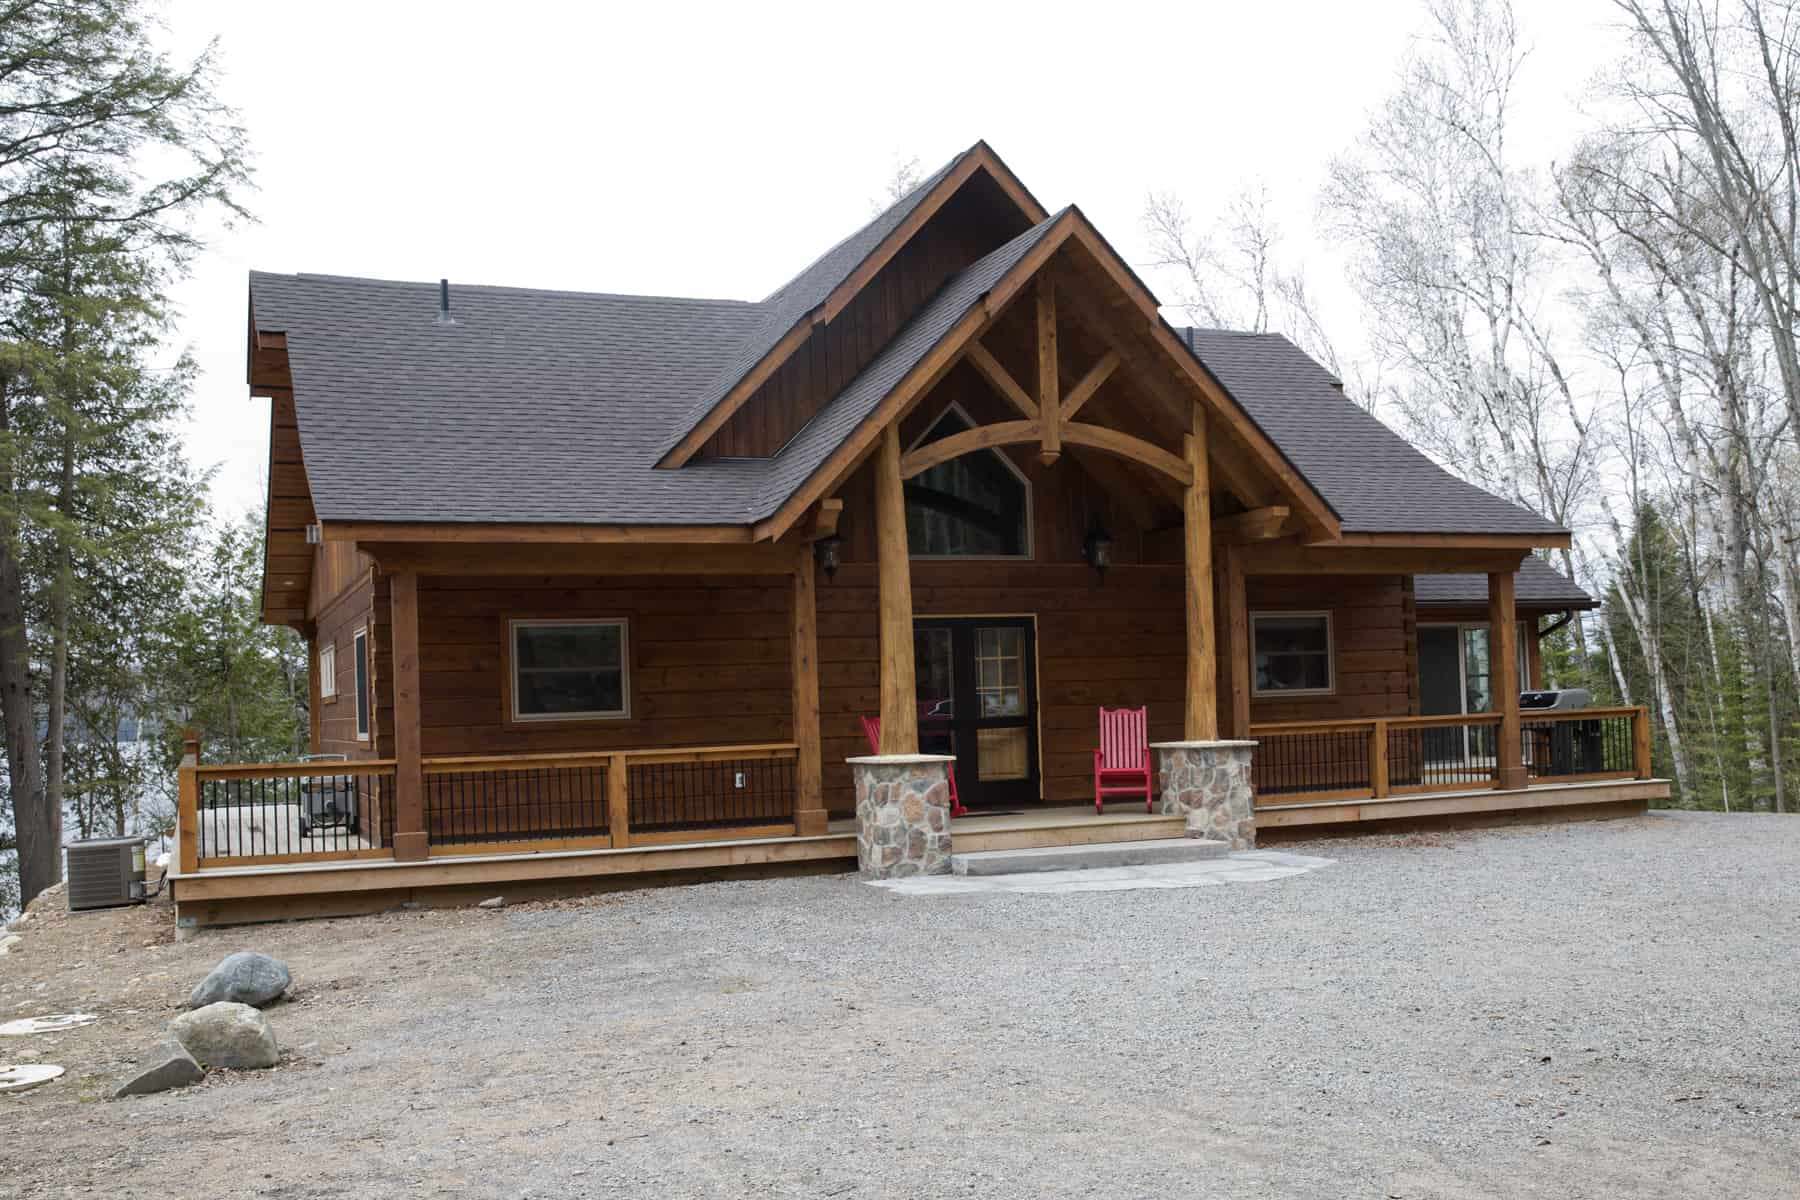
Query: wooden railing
(486, 803)
(1301, 761)
(285, 812)
(271, 813)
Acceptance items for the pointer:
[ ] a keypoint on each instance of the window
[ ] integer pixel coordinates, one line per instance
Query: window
(569, 670)
(1293, 653)
(977, 505)
(328, 671)
(360, 646)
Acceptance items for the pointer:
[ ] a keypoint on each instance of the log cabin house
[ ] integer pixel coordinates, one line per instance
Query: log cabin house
(600, 586)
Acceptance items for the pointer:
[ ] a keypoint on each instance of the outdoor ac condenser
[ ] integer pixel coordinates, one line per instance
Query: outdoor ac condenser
(106, 872)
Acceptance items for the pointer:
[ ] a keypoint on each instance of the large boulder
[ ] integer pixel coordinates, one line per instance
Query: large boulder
(243, 978)
(168, 1066)
(227, 1034)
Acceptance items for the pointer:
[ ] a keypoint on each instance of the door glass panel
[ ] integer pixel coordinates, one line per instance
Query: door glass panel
(1000, 671)
(934, 666)
(1004, 753)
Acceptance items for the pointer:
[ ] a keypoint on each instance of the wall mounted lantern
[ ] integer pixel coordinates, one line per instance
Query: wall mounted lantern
(825, 553)
(1097, 550)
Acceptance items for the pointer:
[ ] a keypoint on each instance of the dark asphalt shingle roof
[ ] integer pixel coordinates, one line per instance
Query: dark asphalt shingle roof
(546, 406)
(1537, 585)
(1376, 480)
(542, 406)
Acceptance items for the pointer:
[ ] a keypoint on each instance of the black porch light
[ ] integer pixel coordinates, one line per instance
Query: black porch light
(825, 553)
(1096, 548)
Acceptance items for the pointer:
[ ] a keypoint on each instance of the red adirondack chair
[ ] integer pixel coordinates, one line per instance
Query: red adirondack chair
(872, 731)
(1122, 763)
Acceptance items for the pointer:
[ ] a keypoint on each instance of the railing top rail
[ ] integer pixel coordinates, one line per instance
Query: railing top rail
(1364, 724)
(600, 758)
(307, 770)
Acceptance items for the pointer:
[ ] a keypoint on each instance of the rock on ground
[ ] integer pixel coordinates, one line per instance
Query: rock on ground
(493, 902)
(227, 1035)
(169, 1066)
(243, 978)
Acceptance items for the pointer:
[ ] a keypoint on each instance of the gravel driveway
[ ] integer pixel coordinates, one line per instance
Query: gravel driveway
(1600, 1010)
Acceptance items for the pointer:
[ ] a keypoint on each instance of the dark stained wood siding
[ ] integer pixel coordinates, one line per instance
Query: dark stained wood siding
(709, 661)
(1374, 644)
(336, 622)
(975, 221)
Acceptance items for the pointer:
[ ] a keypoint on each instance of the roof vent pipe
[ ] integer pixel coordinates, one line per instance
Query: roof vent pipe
(443, 317)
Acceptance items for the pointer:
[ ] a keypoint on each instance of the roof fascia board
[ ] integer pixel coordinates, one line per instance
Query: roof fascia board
(1556, 540)
(978, 158)
(539, 533)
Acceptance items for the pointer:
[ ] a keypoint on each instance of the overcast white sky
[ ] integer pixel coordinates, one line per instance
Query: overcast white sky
(692, 150)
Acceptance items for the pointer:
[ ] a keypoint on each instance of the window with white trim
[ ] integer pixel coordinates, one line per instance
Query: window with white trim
(570, 670)
(1292, 653)
(359, 645)
(328, 671)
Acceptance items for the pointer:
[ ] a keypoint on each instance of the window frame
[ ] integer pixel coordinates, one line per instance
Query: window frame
(515, 717)
(1324, 614)
(1030, 553)
(365, 703)
(327, 659)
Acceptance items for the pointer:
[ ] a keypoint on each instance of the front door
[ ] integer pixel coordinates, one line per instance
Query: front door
(977, 680)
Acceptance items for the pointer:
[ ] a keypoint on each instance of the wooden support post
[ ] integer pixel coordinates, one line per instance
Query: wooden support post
(1234, 643)
(1503, 649)
(899, 689)
(187, 805)
(809, 795)
(1202, 673)
(412, 843)
(1378, 759)
(1049, 397)
(618, 801)
(1640, 743)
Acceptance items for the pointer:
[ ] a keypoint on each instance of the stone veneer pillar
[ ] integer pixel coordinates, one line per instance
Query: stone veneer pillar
(1209, 784)
(902, 814)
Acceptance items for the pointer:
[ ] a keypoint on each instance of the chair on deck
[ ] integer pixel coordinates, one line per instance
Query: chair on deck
(872, 731)
(1122, 763)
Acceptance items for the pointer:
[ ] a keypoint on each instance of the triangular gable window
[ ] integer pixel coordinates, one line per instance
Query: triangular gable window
(978, 505)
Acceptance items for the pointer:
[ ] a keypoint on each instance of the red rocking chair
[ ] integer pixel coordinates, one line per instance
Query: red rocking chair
(872, 731)
(1122, 763)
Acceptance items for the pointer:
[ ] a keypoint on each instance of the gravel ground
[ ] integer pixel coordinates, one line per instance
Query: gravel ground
(1574, 1010)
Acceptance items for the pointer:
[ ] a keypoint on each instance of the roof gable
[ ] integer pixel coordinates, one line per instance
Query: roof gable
(820, 292)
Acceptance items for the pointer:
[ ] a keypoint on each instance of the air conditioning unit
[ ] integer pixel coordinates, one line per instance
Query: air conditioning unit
(1565, 698)
(106, 872)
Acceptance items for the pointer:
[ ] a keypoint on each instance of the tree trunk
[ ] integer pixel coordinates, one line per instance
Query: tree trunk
(56, 720)
(38, 824)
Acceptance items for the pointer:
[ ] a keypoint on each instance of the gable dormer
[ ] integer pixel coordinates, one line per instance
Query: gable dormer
(830, 322)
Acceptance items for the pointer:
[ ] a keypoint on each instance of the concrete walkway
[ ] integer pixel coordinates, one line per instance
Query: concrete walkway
(1246, 866)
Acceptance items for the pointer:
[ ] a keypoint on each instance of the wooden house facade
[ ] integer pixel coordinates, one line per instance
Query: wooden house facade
(601, 585)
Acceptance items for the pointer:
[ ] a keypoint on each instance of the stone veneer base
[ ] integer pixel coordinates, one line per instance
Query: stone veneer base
(902, 815)
(1209, 783)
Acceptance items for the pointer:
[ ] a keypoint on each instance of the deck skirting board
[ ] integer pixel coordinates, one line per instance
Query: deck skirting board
(1486, 800)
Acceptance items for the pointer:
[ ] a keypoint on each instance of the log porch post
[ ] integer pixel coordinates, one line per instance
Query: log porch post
(315, 699)
(1202, 723)
(1503, 643)
(899, 689)
(809, 799)
(1234, 642)
(411, 841)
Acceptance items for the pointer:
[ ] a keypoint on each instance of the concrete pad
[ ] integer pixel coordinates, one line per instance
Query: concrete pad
(1246, 866)
(1151, 852)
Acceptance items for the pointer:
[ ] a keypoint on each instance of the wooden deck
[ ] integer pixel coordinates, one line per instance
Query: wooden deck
(224, 895)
